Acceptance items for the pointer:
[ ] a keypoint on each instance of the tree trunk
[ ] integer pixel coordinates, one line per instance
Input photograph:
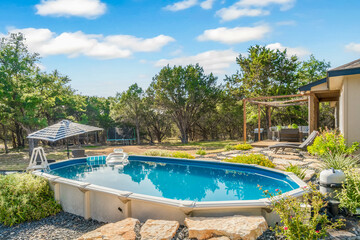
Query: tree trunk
(138, 132)
(4, 139)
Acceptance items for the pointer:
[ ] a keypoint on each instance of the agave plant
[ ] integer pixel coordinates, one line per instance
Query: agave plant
(341, 161)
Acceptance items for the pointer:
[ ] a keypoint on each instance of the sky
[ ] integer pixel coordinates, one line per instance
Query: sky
(104, 46)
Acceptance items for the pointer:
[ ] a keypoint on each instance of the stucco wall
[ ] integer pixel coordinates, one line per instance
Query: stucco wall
(342, 110)
(352, 131)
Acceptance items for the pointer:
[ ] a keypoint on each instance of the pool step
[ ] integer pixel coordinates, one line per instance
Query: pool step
(210, 228)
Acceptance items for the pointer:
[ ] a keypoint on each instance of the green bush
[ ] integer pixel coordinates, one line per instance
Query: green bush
(25, 197)
(278, 127)
(349, 195)
(301, 219)
(258, 159)
(294, 126)
(331, 141)
(296, 170)
(201, 152)
(243, 146)
(164, 153)
(229, 147)
(341, 161)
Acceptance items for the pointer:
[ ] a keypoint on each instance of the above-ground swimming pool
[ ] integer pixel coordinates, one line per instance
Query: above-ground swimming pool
(165, 188)
(178, 179)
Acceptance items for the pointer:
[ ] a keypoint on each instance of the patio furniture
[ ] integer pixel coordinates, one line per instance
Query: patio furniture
(78, 153)
(289, 135)
(308, 142)
(256, 135)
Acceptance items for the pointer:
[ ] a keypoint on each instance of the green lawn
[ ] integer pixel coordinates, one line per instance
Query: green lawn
(207, 144)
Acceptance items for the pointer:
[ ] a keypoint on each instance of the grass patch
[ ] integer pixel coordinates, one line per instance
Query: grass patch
(164, 153)
(201, 152)
(258, 159)
(206, 144)
(24, 197)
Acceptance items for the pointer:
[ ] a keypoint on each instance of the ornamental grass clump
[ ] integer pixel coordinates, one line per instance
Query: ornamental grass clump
(201, 152)
(229, 147)
(25, 197)
(301, 219)
(331, 141)
(349, 195)
(342, 161)
(301, 173)
(258, 159)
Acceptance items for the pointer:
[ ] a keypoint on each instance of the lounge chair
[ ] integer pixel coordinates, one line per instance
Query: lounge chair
(78, 153)
(309, 141)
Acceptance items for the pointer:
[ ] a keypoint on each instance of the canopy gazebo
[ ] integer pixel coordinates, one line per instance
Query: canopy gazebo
(292, 100)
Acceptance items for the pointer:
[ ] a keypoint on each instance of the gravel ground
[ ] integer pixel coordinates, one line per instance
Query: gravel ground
(61, 226)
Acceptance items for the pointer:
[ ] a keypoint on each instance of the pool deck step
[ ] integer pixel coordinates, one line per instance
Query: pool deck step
(202, 228)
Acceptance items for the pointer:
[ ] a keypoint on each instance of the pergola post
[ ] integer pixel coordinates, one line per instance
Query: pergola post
(244, 115)
(259, 115)
(313, 113)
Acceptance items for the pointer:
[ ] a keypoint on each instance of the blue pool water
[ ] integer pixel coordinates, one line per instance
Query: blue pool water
(181, 180)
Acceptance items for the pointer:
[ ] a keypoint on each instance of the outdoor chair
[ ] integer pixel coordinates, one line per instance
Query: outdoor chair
(308, 142)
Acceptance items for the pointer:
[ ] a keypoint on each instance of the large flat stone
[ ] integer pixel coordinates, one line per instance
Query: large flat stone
(286, 156)
(159, 230)
(122, 230)
(341, 234)
(309, 174)
(233, 227)
(286, 162)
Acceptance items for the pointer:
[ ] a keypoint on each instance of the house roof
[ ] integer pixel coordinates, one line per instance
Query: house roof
(308, 87)
(350, 68)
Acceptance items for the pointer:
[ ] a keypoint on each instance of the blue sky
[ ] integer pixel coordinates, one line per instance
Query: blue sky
(104, 46)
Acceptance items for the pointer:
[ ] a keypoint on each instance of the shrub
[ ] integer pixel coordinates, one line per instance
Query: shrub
(294, 126)
(243, 146)
(229, 147)
(258, 159)
(341, 161)
(331, 141)
(278, 128)
(164, 153)
(349, 195)
(182, 155)
(25, 197)
(301, 219)
(296, 170)
(201, 152)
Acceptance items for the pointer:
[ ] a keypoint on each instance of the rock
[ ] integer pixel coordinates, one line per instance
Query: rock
(309, 174)
(233, 227)
(285, 162)
(122, 230)
(285, 156)
(341, 234)
(159, 230)
(315, 165)
(219, 238)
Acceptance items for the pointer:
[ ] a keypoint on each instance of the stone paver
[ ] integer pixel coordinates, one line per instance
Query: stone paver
(341, 234)
(122, 230)
(309, 173)
(234, 227)
(286, 156)
(285, 162)
(159, 230)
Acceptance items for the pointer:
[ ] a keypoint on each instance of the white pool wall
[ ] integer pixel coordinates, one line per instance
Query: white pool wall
(110, 205)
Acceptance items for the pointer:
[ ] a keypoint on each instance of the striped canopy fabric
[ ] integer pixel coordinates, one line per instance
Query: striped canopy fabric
(61, 130)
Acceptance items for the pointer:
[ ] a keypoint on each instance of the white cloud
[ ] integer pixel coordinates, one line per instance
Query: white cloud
(234, 12)
(74, 44)
(234, 35)
(181, 5)
(215, 61)
(208, 4)
(140, 44)
(79, 8)
(298, 51)
(285, 4)
(353, 47)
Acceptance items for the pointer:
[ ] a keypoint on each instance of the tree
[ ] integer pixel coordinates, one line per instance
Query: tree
(128, 107)
(185, 92)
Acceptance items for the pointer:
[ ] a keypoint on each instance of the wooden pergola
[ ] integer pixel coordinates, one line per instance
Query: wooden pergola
(297, 99)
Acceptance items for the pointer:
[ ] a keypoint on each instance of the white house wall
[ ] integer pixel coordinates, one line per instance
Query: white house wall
(352, 109)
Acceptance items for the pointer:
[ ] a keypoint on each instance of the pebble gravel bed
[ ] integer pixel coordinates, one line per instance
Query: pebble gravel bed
(62, 226)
